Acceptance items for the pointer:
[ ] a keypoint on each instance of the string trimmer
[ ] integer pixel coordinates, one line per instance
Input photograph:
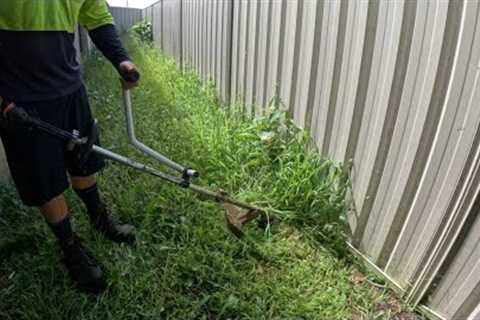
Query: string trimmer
(237, 213)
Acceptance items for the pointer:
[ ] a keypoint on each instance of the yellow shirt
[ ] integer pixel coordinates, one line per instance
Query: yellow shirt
(53, 15)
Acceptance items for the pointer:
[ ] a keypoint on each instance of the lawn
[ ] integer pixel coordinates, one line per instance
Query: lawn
(185, 264)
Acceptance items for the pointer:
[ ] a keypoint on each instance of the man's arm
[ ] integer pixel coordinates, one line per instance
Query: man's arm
(96, 18)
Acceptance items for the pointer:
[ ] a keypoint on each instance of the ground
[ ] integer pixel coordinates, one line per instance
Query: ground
(185, 264)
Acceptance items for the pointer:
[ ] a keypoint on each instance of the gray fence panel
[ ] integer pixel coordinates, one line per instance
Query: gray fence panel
(260, 99)
(217, 28)
(291, 48)
(209, 39)
(275, 47)
(252, 56)
(157, 24)
(224, 54)
(376, 102)
(458, 139)
(349, 72)
(126, 17)
(323, 84)
(308, 59)
(194, 38)
(243, 8)
(431, 201)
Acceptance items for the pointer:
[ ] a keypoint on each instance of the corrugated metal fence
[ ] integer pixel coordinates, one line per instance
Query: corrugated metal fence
(390, 86)
(125, 18)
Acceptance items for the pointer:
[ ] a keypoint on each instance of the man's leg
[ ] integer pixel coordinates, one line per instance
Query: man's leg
(81, 266)
(82, 175)
(99, 214)
(82, 183)
(38, 167)
(55, 210)
(56, 215)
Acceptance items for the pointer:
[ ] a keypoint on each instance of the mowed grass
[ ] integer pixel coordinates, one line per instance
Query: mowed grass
(186, 265)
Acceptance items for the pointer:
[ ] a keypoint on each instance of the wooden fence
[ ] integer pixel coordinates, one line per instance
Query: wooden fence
(390, 86)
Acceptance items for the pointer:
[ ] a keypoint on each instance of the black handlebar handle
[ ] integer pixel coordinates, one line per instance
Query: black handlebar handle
(130, 76)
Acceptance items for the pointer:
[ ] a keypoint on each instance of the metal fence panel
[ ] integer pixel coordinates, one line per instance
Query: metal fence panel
(252, 56)
(421, 222)
(322, 86)
(291, 49)
(458, 137)
(344, 99)
(308, 60)
(157, 24)
(242, 50)
(260, 99)
(126, 17)
(225, 54)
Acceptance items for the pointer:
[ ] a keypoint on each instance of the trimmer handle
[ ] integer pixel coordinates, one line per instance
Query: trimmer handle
(130, 76)
(17, 114)
(81, 146)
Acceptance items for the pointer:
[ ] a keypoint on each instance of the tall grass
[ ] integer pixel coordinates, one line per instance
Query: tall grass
(266, 160)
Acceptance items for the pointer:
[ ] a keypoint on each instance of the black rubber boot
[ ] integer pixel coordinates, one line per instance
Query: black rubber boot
(112, 230)
(83, 268)
(101, 218)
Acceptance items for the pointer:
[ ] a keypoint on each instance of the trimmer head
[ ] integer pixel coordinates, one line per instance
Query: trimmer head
(236, 218)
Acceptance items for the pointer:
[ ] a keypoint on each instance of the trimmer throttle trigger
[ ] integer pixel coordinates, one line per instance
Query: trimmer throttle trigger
(83, 150)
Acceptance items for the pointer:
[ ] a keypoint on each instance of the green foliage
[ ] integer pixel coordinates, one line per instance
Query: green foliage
(185, 264)
(142, 31)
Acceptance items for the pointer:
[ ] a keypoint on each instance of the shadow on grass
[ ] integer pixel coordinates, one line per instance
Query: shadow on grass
(21, 244)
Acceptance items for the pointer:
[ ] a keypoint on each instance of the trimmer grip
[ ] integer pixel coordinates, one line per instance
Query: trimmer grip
(19, 115)
(131, 76)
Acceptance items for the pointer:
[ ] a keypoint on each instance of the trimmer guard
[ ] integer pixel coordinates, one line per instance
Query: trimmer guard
(236, 218)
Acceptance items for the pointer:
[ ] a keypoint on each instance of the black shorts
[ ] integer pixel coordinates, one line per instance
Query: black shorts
(38, 162)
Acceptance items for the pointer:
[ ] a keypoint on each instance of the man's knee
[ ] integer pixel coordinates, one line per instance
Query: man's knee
(81, 183)
(55, 209)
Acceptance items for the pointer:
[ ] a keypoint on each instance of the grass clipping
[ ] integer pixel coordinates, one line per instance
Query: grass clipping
(185, 264)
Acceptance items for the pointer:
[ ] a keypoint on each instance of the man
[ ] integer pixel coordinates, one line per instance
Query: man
(39, 72)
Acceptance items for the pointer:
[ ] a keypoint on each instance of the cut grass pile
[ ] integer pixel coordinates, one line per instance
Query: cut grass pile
(185, 264)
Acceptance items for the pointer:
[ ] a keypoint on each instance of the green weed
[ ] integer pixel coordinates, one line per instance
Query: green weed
(142, 31)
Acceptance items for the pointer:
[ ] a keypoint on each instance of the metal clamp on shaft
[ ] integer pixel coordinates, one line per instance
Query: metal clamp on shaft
(187, 175)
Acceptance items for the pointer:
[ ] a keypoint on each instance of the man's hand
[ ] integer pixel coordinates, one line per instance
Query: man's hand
(129, 73)
(10, 115)
(5, 107)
